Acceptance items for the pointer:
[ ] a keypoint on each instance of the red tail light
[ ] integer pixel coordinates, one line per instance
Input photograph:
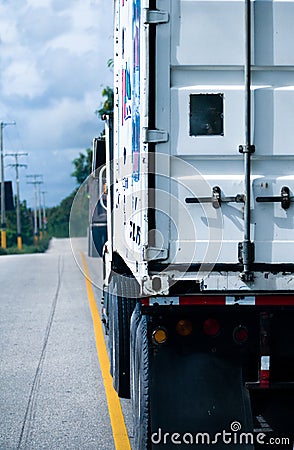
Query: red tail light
(240, 334)
(211, 327)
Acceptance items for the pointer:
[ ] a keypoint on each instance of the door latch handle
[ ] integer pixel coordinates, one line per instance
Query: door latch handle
(216, 198)
(285, 199)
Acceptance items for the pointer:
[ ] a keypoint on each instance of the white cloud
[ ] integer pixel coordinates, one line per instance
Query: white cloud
(53, 65)
(63, 124)
(77, 43)
(9, 32)
(38, 3)
(23, 79)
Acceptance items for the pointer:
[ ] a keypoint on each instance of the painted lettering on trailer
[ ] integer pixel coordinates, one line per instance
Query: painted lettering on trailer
(126, 95)
(135, 232)
(136, 122)
(134, 202)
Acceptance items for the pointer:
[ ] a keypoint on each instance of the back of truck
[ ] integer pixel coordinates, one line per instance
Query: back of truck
(202, 215)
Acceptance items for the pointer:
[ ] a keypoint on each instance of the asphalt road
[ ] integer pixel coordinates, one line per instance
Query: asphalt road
(52, 394)
(53, 388)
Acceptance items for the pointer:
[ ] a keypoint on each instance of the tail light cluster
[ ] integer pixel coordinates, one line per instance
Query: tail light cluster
(184, 327)
(159, 335)
(210, 327)
(240, 334)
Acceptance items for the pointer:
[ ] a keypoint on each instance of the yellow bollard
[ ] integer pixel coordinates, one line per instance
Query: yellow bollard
(19, 242)
(3, 239)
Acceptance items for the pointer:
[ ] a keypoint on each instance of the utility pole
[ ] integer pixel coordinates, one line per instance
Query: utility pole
(18, 216)
(3, 218)
(40, 209)
(44, 213)
(35, 183)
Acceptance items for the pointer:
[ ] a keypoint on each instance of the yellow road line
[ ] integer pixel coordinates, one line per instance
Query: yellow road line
(119, 431)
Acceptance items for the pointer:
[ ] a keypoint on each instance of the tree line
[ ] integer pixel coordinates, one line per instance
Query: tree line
(57, 216)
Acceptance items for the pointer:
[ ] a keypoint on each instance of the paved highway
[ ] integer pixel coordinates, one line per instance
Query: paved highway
(55, 388)
(52, 378)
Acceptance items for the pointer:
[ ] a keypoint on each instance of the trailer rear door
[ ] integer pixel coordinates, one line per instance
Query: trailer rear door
(200, 102)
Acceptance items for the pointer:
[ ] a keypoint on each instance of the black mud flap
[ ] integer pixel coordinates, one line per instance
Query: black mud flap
(198, 399)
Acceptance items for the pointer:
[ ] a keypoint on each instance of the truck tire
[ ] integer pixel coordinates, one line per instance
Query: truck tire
(135, 320)
(140, 402)
(105, 310)
(109, 312)
(121, 311)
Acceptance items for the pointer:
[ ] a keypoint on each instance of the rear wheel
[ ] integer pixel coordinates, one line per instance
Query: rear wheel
(135, 320)
(111, 324)
(122, 306)
(140, 401)
(105, 309)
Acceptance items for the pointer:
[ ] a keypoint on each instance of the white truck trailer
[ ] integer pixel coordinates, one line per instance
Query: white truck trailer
(199, 259)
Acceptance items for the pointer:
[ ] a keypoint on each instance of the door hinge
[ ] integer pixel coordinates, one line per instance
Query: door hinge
(155, 16)
(154, 136)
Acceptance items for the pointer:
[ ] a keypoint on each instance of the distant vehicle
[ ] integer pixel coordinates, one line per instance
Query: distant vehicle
(198, 295)
(97, 209)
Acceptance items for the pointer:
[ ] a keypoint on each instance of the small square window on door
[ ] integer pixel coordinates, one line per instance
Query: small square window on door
(206, 115)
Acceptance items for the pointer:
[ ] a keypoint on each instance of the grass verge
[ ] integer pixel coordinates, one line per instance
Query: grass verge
(40, 247)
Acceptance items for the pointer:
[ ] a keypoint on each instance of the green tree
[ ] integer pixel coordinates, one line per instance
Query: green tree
(27, 227)
(71, 215)
(107, 106)
(82, 164)
(58, 217)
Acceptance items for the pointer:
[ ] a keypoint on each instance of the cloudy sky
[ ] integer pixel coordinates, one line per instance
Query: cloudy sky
(53, 66)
